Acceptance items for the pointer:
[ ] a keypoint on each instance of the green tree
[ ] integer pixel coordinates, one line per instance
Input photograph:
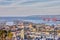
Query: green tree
(3, 34)
(9, 35)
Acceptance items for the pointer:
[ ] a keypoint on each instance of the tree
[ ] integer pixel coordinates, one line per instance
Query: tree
(3, 34)
(9, 35)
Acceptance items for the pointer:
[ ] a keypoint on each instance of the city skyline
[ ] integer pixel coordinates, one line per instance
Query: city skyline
(29, 19)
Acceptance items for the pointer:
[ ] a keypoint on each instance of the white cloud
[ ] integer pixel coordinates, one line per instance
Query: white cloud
(14, 3)
(39, 8)
(24, 11)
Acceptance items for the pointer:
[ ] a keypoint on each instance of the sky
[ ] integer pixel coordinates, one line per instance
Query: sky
(29, 7)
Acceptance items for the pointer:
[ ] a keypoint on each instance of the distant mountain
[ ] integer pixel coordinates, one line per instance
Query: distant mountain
(21, 18)
(33, 18)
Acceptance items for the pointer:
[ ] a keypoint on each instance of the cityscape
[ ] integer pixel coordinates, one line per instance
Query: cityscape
(29, 20)
(18, 28)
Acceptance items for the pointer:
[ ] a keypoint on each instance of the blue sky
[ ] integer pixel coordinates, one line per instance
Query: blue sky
(30, 2)
(29, 7)
(17, 8)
